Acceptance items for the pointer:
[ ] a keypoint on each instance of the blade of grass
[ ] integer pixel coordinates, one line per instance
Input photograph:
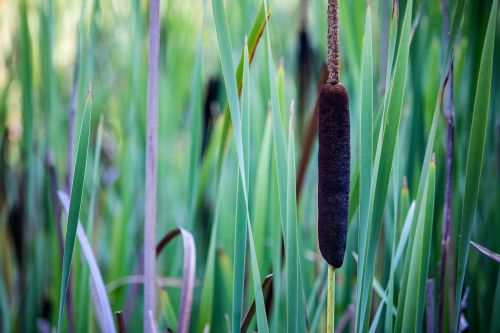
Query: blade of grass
(189, 268)
(490, 254)
(402, 245)
(262, 323)
(475, 154)
(188, 275)
(420, 195)
(101, 301)
(83, 320)
(266, 285)
(420, 252)
(253, 39)
(382, 169)
(278, 134)
(319, 310)
(225, 51)
(293, 290)
(366, 137)
(207, 291)
(168, 310)
(30, 282)
(454, 32)
(262, 205)
(75, 202)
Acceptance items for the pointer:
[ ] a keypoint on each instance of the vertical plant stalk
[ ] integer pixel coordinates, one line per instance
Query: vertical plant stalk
(448, 195)
(330, 305)
(333, 42)
(333, 164)
(120, 322)
(151, 166)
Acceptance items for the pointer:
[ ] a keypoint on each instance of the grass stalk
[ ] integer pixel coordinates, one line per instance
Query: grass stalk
(151, 167)
(330, 307)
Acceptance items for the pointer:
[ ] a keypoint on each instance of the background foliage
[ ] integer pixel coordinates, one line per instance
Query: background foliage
(235, 191)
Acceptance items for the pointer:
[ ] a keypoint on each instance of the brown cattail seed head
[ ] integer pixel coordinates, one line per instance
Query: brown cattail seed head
(333, 172)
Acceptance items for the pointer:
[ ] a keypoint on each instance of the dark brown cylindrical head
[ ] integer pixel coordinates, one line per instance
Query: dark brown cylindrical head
(333, 172)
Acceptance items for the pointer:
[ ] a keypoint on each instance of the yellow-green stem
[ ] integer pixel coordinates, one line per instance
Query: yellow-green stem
(330, 307)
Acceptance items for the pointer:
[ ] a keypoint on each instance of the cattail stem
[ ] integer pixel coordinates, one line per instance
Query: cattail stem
(330, 306)
(151, 167)
(333, 42)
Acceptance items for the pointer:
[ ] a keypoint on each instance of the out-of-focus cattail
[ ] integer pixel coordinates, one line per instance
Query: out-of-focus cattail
(305, 59)
(334, 154)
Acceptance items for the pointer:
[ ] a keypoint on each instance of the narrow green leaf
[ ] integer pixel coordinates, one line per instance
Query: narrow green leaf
(262, 205)
(382, 169)
(278, 134)
(420, 252)
(366, 137)
(99, 296)
(75, 202)
(293, 295)
(168, 310)
(83, 321)
(253, 39)
(225, 51)
(475, 154)
(262, 323)
(207, 290)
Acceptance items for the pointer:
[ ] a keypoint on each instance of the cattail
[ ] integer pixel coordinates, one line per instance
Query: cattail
(334, 155)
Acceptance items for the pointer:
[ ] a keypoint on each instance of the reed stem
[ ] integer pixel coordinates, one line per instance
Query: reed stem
(330, 306)
(151, 167)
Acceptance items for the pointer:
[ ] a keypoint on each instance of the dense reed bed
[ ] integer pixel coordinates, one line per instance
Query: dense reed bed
(185, 189)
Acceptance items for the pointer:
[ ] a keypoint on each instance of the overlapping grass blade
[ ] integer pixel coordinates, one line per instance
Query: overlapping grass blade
(262, 205)
(207, 290)
(382, 169)
(278, 134)
(420, 252)
(225, 50)
(168, 310)
(420, 196)
(102, 306)
(259, 297)
(402, 245)
(475, 154)
(293, 289)
(486, 252)
(266, 284)
(252, 41)
(75, 202)
(366, 138)
(82, 324)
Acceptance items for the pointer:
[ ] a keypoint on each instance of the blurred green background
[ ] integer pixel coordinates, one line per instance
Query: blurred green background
(49, 52)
